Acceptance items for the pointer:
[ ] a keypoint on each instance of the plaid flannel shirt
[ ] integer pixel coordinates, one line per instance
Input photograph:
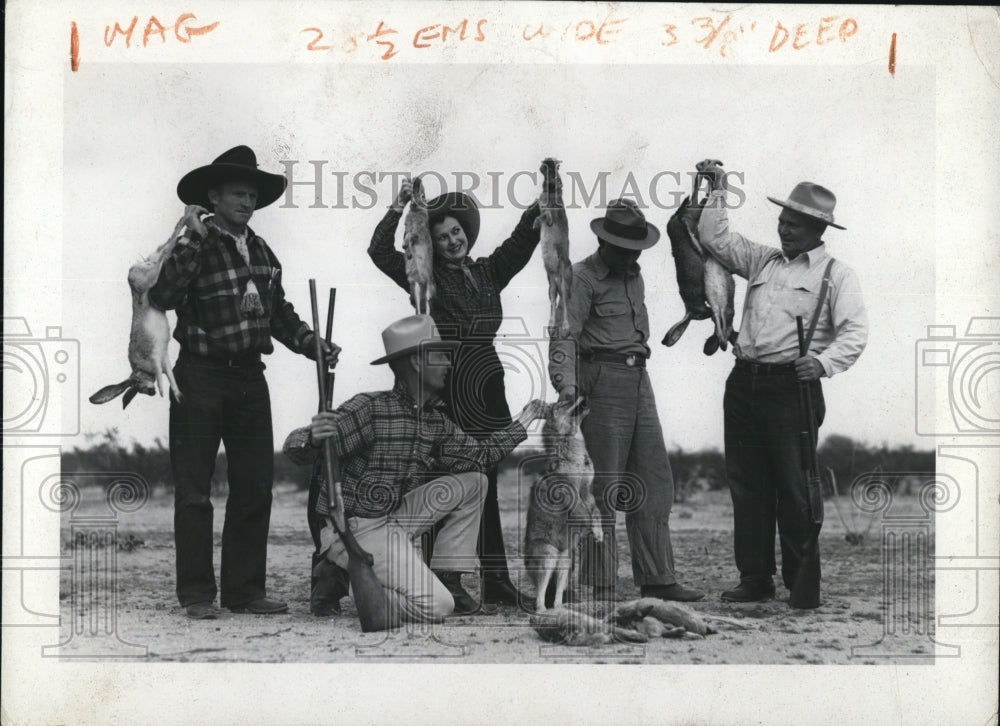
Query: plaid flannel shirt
(460, 312)
(389, 446)
(204, 279)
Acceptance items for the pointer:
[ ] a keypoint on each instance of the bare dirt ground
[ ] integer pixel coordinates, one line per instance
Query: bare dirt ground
(844, 630)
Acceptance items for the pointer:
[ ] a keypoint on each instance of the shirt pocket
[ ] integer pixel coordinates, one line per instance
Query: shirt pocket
(799, 301)
(263, 279)
(612, 320)
(755, 294)
(219, 305)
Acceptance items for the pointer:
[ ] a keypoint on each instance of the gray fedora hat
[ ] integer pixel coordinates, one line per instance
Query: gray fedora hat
(624, 225)
(811, 200)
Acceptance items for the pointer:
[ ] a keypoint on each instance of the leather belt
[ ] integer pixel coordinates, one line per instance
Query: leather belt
(247, 360)
(632, 360)
(765, 369)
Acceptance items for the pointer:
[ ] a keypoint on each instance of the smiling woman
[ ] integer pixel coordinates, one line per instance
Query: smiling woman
(467, 308)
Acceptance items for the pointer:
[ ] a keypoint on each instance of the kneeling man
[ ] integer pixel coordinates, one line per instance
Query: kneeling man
(406, 466)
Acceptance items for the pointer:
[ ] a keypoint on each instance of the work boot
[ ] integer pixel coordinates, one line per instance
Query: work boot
(501, 591)
(201, 611)
(329, 586)
(675, 592)
(261, 606)
(750, 592)
(464, 604)
(804, 602)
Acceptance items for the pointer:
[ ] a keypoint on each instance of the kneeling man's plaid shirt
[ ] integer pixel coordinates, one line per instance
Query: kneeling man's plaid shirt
(389, 446)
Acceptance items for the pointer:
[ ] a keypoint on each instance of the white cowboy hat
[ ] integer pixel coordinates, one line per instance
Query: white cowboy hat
(413, 333)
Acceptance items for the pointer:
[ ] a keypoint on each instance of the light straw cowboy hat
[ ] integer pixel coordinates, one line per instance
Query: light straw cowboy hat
(411, 334)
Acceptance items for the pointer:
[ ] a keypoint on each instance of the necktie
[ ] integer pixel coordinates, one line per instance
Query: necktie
(250, 306)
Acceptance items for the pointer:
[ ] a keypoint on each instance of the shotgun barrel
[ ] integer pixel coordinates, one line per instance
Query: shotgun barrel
(807, 438)
(369, 595)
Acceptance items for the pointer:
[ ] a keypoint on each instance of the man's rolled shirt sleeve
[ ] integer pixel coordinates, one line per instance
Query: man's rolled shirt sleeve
(736, 253)
(850, 321)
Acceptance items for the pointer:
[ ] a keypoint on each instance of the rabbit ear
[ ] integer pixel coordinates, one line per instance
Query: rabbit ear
(129, 396)
(113, 391)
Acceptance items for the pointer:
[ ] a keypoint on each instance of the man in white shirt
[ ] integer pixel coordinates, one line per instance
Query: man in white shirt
(762, 405)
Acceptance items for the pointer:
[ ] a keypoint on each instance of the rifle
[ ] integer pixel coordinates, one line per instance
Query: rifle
(369, 595)
(807, 440)
(805, 589)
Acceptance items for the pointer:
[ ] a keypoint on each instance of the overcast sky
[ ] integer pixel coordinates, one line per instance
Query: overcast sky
(866, 136)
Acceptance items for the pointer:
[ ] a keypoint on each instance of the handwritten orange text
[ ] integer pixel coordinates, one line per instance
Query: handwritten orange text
(183, 30)
(805, 34)
(603, 32)
(423, 37)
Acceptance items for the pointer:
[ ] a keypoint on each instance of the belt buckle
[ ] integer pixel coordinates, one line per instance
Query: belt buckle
(630, 361)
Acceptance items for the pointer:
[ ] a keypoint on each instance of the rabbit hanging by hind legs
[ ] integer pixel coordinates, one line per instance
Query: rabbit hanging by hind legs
(150, 334)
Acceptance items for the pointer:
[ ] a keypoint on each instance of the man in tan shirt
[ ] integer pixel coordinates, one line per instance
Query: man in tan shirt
(761, 405)
(605, 361)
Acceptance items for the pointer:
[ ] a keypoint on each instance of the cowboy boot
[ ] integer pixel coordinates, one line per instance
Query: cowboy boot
(464, 603)
(330, 584)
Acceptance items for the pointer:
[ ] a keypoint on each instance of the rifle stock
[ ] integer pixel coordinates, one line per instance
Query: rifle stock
(369, 595)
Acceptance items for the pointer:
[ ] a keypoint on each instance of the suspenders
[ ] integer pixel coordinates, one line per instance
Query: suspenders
(819, 303)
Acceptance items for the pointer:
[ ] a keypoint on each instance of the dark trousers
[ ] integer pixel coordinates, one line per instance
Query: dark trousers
(477, 402)
(231, 406)
(631, 473)
(766, 478)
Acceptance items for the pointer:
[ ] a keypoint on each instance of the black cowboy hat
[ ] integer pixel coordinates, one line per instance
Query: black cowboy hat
(460, 206)
(237, 164)
(625, 226)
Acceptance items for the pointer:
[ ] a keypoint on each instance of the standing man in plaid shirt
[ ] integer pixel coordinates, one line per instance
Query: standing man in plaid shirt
(407, 466)
(225, 283)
